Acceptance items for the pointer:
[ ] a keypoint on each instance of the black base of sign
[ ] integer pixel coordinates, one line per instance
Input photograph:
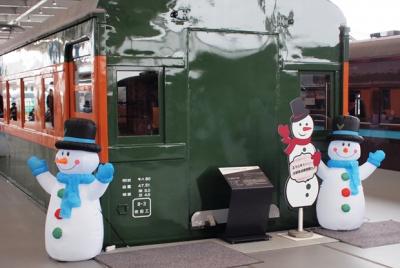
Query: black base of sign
(247, 238)
(251, 194)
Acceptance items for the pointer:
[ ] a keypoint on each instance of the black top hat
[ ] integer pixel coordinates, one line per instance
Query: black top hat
(346, 128)
(299, 112)
(79, 134)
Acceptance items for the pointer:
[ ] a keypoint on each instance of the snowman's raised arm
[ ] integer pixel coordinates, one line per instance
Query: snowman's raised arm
(40, 170)
(103, 176)
(323, 170)
(47, 181)
(373, 162)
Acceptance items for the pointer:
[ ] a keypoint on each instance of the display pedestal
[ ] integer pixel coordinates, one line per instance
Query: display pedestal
(251, 194)
(300, 232)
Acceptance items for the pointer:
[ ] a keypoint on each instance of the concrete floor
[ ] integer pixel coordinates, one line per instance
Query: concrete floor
(22, 235)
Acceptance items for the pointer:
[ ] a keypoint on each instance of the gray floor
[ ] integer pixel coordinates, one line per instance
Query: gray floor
(22, 239)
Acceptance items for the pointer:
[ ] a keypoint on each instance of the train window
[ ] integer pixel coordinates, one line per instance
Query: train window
(376, 107)
(138, 103)
(315, 92)
(83, 84)
(390, 112)
(30, 100)
(1, 105)
(81, 49)
(3, 100)
(82, 76)
(49, 104)
(14, 99)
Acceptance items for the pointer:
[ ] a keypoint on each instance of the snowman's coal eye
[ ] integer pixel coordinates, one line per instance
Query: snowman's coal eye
(343, 144)
(306, 124)
(67, 153)
(62, 153)
(348, 144)
(299, 124)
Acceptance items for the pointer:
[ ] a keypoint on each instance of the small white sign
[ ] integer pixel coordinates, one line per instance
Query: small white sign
(141, 207)
(302, 168)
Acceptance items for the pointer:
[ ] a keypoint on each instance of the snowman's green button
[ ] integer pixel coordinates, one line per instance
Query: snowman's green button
(345, 177)
(345, 208)
(60, 193)
(57, 233)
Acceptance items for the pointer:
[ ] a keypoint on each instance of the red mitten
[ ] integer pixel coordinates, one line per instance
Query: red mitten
(316, 157)
(284, 132)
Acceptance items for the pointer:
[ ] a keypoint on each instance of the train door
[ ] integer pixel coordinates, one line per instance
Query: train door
(79, 54)
(147, 201)
(233, 94)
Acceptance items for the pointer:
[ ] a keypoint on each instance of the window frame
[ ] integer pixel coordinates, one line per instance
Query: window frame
(72, 88)
(19, 104)
(35, 125)
(333, 96)
(380, 125)
(3, 90)
(115, 138)
(50, 131)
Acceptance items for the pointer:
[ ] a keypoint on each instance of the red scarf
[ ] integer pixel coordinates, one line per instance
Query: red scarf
(284, 132)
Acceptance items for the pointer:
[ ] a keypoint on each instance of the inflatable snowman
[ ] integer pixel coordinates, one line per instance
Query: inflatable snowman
(341, 204)
(74, 223)
(302, 184)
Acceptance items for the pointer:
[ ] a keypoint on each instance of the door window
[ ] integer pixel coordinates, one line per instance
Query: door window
(316, 94)
(138, 103)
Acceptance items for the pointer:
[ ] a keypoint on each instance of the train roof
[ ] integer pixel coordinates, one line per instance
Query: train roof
(384, 47)
(80, 10)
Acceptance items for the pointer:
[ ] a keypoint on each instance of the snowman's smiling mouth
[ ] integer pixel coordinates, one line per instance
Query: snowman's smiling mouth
(302, 135)
(344, 156)
(68, 168)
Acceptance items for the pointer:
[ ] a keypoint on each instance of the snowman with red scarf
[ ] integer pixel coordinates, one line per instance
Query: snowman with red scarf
(302, 185)
(74, 223)
(341, 203)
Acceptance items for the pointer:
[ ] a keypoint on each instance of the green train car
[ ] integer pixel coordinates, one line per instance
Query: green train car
(177, 89)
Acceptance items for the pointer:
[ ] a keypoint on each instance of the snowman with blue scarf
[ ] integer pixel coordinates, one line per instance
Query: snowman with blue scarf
(74, 223)
(341, 203)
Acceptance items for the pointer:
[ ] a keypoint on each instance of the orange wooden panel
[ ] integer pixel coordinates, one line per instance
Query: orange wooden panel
(100, 85)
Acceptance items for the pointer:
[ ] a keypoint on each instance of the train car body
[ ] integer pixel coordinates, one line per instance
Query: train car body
(177, 90)
(374, 97)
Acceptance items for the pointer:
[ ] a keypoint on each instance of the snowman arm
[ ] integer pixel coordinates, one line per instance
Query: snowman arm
(366, 170)
(97, 189)
(47, 181)
(373, 162)
(103, 176)
(40, 170)
(323, 170)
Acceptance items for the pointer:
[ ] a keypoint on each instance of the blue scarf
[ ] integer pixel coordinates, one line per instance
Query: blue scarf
(351, 167)
(71, 198)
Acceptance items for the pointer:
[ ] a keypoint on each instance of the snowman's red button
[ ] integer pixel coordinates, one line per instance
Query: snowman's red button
(57, 214)
(346, 192)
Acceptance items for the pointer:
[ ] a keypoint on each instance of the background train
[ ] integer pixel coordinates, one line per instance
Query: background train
(177, 90)
(374, 94)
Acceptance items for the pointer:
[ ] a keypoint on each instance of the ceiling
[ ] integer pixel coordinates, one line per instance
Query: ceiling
(19, 17)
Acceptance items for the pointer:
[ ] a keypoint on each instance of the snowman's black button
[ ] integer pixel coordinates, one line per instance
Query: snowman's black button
(307, 194)
(304, 149)
(308, 186)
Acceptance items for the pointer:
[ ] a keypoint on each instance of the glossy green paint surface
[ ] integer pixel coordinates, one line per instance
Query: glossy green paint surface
(228, 72)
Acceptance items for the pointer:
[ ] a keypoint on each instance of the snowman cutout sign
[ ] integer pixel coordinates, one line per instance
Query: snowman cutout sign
(74, 223)
(302, 185)
(341, 203)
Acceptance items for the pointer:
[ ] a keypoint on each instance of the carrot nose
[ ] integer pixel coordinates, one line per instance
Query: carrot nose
(62, 160)
(306, 128)
(345, 150)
